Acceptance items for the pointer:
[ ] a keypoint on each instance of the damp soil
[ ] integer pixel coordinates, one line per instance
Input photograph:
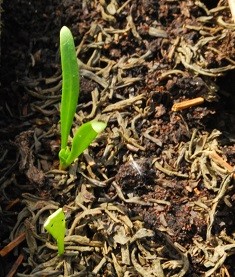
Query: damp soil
(154, 194)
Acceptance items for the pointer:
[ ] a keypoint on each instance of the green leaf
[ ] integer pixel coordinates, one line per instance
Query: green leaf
(83, 137)
(63, 156)
(70, 83)
(70, 93)
(55, 225)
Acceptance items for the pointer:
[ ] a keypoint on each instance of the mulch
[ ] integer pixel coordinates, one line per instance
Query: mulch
(154, 194)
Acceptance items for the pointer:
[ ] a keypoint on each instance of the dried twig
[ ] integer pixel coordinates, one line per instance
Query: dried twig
(8, 248)
(187, 104)
(15, 266)
(221, 162)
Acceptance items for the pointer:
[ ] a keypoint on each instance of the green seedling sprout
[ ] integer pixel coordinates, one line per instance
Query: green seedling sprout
(87, 132)
(55, 225)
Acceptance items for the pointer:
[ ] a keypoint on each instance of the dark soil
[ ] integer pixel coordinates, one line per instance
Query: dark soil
(154, 194)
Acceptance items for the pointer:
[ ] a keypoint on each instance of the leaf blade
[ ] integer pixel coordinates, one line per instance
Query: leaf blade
(55, 225)
(70, 83)
(83, 137)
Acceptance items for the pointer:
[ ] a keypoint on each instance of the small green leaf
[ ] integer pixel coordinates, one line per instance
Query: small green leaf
(83, 137)
(70, 94)
(55, 225)
(70, 83)
(63, 155)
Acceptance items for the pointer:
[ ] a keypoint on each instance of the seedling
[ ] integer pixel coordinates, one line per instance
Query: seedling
(87, 132)
(55, 225)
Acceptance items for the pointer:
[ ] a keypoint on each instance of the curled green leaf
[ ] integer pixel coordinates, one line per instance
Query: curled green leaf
(55, 225)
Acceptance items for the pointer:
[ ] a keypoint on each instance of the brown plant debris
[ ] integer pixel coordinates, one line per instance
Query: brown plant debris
(154, 194)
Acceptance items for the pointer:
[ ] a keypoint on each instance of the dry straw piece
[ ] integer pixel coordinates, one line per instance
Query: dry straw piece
(231, 4)
(187, 104)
